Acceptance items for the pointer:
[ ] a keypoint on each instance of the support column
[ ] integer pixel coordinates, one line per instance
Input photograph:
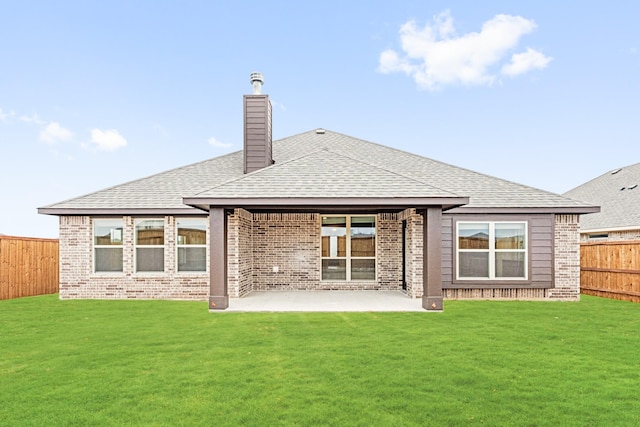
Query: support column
(432, 259)
(218, 294)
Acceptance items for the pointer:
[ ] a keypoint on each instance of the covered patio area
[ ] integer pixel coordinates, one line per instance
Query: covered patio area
(295, 227)
(324, 301)
(255, 251)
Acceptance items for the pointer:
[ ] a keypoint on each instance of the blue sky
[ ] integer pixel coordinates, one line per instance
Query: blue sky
(95, 93)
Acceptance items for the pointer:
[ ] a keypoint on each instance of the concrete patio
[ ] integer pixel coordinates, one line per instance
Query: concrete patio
(324, 301)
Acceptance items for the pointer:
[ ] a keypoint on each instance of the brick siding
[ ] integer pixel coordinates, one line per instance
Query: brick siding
(413, 248)
(389, 252)
(566, 258)
(77, 279)
(239, 250)
(291, 242)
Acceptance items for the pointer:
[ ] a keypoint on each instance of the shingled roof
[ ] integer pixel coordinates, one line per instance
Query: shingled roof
(318, 164)
(618, 194)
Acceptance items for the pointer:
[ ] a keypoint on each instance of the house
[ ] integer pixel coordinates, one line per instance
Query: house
(618, 195)
(318, 210)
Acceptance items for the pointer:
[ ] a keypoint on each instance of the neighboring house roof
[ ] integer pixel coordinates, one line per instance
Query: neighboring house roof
(618, 194)
(314, 165)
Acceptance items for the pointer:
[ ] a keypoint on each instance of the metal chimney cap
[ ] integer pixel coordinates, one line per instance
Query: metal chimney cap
(257, 80)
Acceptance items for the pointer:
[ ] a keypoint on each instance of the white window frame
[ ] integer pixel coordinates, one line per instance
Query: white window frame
(108, 222)
(348, 249)
(492, 251)
(190, 246)
(136, 246)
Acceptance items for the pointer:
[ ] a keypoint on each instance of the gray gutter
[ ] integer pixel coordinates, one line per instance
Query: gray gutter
(118, 211)
(526, 210)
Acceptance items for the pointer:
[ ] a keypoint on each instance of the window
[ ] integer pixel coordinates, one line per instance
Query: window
(349, 247)
(599, 236)
(149, 245)
(107, 245)
(492, 250)
(192, 244)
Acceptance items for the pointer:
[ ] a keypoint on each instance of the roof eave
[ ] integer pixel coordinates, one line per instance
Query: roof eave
(579, 210)
(117, 211)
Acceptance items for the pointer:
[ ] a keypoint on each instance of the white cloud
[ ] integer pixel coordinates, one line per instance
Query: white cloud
(390, 62)
(435, 56)
(4, 117)
(53, 133)
(107, 140)
(279, 105)
(32, 119)
(525, 62)
(215, 143)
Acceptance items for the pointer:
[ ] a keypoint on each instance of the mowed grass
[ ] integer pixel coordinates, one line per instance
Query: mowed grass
(174, 363)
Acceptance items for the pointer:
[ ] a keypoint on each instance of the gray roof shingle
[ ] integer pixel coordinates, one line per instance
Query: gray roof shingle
(618, 194)
(313, 164)
(324, 173)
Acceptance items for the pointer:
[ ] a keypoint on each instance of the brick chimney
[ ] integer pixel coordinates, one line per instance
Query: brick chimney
(257, 127)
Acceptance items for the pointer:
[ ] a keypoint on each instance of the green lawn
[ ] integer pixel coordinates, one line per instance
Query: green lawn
(174, 363)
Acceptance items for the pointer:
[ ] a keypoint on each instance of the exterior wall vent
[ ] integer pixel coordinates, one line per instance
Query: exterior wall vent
(257, 151)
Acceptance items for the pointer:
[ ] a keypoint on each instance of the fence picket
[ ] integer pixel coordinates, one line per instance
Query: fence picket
(611, 269)
(28, 266)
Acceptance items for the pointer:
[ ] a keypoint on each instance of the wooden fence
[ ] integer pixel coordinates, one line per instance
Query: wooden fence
(28, 266)
(611, 269)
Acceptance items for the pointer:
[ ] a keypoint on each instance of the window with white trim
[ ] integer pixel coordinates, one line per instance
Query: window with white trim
(107, 245)
(191, 244)
(349, 247)
(491, 250)
(149, 245)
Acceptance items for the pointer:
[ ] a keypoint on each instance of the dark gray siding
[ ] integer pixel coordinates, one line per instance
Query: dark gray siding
(541, 244)
(257, 132)
(447, 248)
